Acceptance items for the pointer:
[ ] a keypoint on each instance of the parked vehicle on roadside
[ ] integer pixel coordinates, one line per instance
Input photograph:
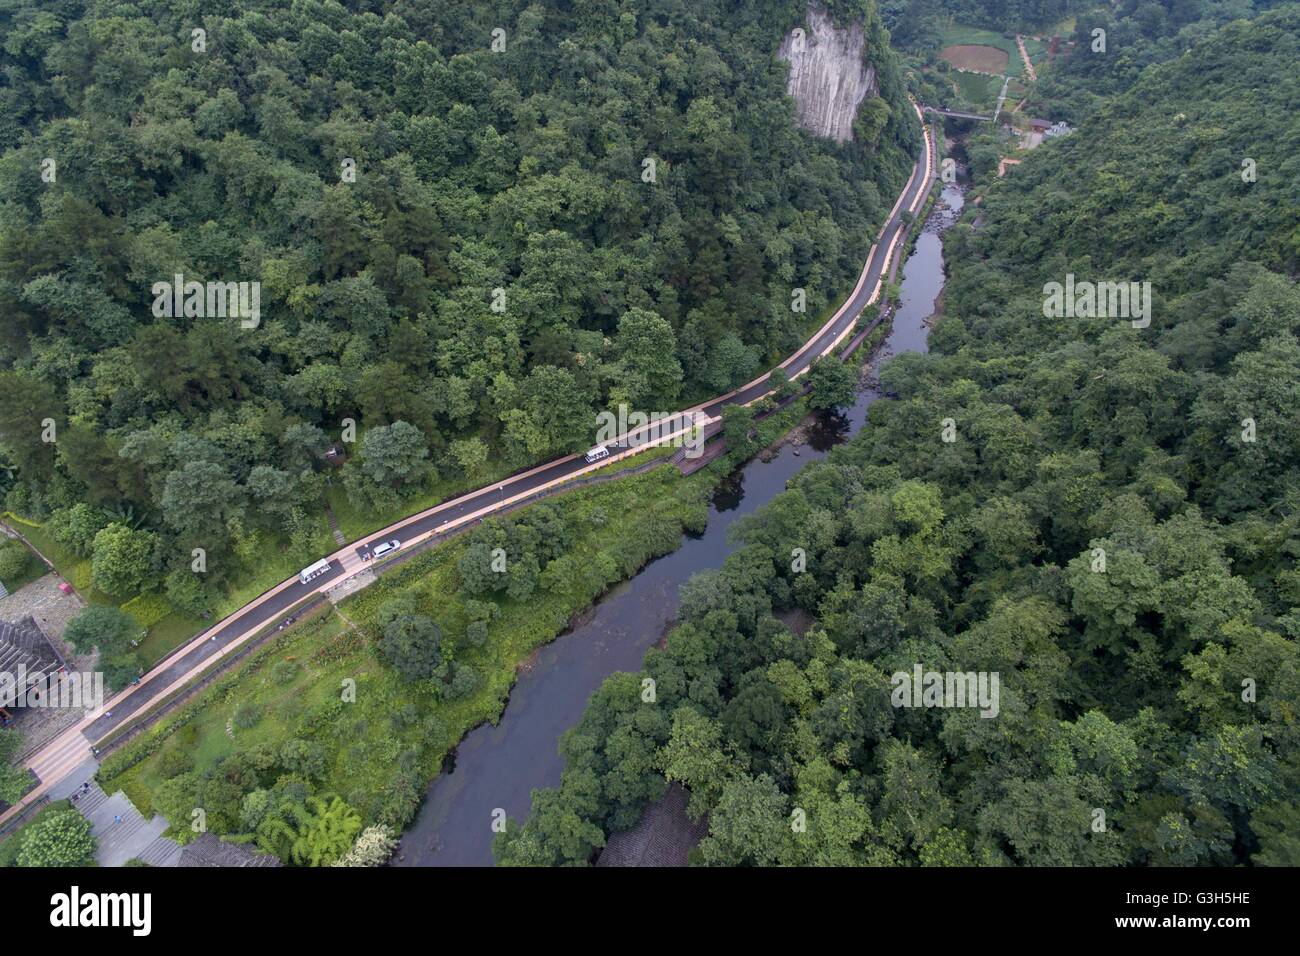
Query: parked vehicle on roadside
(314, 570)
(387, 547)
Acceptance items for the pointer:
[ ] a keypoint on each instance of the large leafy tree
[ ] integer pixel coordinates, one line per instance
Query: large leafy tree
(60, 838)
(122, 559)
(110, 631)
(413, 644)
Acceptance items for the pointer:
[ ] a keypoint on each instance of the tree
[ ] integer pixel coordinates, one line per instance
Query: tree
(394, 456)
(58, 838)
(110, 631)
(199, 499)
(833, 385)
(25, 402)
(550, 414)
(186, 592)
(412, 644)
(77, 526)
(749, 824)
(373, 848)
(648, 371)
(471, 454)
(738, 431)
(273, 490)
(122, 559)
(694, 757)
(14, 559)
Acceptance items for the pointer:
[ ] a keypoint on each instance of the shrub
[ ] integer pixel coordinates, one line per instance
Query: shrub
(476, 633)
(247, 716)
(174, 761)
(14, 559)
(464, 681)
(284, 672)
(303, 757)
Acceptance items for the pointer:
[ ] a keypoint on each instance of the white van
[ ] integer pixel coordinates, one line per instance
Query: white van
(379, 550)
(597, 453)
(313, 571)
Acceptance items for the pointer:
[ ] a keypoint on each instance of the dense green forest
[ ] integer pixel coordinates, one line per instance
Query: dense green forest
(1114, 529)
(1136, 35)
(473, 225)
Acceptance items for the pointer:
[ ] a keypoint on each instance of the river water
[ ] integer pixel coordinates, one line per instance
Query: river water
(498, 767)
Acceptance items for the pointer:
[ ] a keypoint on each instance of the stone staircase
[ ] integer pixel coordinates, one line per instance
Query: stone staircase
(128, 838)
(334, 526)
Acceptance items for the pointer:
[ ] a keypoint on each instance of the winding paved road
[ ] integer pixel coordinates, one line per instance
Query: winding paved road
(72, 749)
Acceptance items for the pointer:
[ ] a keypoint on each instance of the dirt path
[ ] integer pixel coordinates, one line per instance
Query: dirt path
(1024, 55)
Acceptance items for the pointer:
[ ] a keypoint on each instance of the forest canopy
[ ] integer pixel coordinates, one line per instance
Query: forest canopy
(473, 225)
(1114, 530)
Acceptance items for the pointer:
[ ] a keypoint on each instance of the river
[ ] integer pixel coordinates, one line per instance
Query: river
(498, 767)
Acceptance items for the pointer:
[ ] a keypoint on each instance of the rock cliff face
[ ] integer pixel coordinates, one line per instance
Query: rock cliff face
(828, 79)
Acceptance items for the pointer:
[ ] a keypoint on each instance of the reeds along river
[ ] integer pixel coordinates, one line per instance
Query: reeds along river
(498, 767)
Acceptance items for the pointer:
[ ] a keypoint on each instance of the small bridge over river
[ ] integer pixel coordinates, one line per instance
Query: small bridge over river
(956, 114)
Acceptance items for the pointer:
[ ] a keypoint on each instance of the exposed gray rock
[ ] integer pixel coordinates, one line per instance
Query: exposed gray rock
(828, 79)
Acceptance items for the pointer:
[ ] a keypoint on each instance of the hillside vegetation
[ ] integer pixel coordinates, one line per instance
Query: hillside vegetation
(474, 225)
(1114, 531)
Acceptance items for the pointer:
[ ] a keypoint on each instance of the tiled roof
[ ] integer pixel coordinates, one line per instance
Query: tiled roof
(208, 850)
(25, 644)
(664, 836)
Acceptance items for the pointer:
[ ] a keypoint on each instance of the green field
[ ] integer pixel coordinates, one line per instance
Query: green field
(975, 90)
(955, 34)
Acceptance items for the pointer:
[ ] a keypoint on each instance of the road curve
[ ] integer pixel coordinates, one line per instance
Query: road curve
(71, 749)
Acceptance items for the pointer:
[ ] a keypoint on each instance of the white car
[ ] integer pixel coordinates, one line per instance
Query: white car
(379, 550)
(597, 453)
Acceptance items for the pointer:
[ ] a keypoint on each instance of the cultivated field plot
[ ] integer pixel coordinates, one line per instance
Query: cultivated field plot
(967, 48)
(976, 59)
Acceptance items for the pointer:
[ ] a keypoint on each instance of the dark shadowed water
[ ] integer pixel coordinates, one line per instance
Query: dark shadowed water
(498, 767)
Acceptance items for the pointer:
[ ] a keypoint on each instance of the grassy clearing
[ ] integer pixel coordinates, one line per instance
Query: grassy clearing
(74, 569)
(168, 634)
(977, 91)
(395, 730)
